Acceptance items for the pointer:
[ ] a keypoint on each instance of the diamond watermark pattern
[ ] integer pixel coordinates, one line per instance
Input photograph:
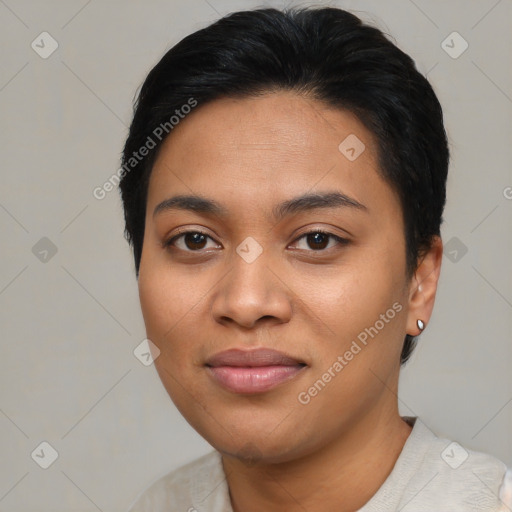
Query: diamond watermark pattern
(249, 249)
(454, 455)
(454, 45)
(146, 352)
(351, 147)
(455, 250)
(44, 45)
(44, 250)
(44, 455)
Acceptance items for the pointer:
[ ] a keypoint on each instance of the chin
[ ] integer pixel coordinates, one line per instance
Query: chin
(264, 452)
(264, 438)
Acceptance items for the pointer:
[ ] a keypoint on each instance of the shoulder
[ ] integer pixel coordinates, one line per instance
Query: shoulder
(506, 490)
(183, 487)
(457, 478)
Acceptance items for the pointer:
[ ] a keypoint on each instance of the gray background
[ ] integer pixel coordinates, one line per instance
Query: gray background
(70, 321)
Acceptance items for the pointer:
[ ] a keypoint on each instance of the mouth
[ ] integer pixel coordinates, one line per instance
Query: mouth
(252, 371)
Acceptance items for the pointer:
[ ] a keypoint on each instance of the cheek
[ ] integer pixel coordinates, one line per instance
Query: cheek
(166, 295)
(166, 311)
(349, 298)
(155, 301)
(174, 308)
(364, 311)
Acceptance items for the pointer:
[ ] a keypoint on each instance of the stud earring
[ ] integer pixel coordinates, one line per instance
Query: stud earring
(421, 324)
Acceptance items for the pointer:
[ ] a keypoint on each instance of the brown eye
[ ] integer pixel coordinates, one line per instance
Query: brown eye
(194, 240)
(319, 240)
(189, 241)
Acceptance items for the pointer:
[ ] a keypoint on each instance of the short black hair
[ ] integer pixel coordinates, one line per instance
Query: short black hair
(326, 53)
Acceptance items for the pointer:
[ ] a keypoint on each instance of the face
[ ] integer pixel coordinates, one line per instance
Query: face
(321, 281)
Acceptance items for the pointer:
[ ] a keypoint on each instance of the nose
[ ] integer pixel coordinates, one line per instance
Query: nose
(252, 293)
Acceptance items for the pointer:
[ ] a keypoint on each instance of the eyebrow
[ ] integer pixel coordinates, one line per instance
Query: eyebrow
(300, 204)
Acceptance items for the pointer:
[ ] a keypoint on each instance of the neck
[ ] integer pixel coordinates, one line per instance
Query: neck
(342, 476)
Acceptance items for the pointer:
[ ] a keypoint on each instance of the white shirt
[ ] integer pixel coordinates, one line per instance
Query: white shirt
(431, 474)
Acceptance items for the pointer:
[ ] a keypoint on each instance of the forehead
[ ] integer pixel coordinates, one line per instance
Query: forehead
(279, 124)
(266, 149)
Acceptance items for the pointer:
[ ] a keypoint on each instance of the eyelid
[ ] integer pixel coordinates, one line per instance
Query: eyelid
(341, 241)
(168, 242)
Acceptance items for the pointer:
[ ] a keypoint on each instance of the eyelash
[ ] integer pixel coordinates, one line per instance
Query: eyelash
(340, 240)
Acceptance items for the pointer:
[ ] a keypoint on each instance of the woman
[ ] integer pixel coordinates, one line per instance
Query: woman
(283, 186)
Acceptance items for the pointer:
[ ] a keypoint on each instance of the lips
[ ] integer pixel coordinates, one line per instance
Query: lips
(253, 358)
(252, 371)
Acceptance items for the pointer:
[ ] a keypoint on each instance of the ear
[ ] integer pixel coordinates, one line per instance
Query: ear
(423, 287)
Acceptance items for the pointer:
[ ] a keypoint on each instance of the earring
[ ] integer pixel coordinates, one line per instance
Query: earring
(421, 324)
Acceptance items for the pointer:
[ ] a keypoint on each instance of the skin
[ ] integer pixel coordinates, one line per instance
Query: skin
(198, 299)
